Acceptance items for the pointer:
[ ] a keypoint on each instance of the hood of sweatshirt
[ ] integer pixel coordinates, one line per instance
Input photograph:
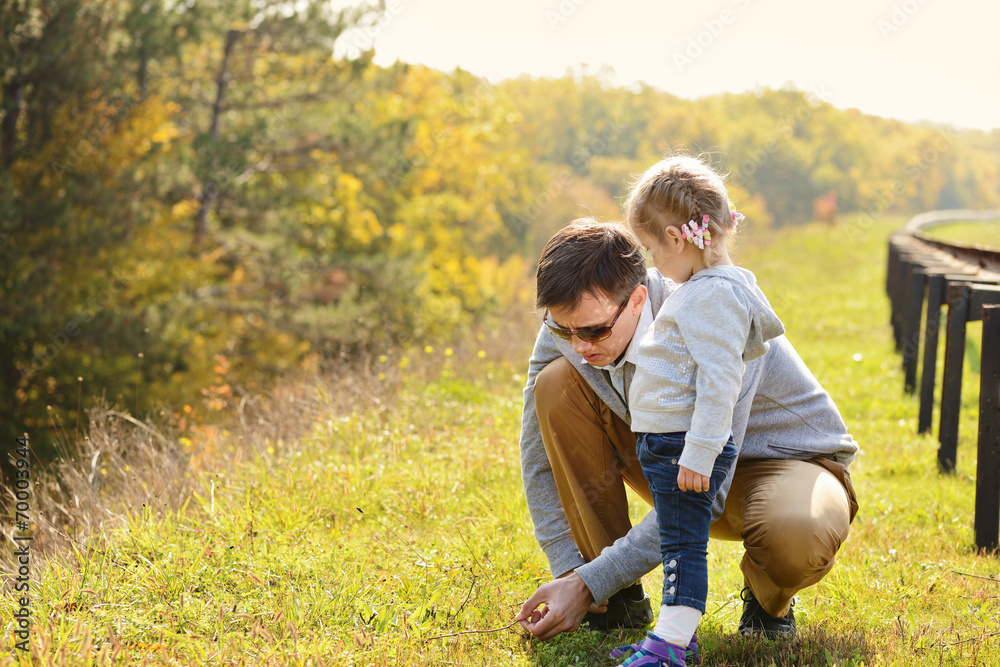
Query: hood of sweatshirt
(764, 324)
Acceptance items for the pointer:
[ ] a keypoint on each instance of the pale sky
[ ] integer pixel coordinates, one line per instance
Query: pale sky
(936, 60)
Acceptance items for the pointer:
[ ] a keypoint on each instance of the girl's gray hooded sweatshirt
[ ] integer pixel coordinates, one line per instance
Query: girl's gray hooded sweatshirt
(689, 367)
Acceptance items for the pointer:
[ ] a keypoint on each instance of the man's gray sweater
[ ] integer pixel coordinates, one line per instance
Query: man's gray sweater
(782, 413)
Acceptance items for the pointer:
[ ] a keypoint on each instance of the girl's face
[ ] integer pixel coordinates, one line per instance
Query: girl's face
(673, 256)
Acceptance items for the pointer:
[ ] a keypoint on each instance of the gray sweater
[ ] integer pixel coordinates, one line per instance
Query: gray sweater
(689, 367)
(782, 413)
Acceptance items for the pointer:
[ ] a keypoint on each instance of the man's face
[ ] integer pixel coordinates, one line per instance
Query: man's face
(598, 311)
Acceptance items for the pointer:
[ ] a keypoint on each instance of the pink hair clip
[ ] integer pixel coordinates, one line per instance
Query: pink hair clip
(697, 234)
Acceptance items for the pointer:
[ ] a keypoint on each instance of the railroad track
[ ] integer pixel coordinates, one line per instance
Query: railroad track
(966, 277)
(920, 264)
(982, 256)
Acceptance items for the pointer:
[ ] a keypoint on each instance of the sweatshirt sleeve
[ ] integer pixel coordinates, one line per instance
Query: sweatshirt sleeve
(547, 515)
(626, 561)
(619, 565)
(715, 327)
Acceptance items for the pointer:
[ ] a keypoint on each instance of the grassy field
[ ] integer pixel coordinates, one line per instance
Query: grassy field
(973, 233)
(392, 529)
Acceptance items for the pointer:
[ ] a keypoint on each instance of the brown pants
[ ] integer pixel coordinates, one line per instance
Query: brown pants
(791, 516)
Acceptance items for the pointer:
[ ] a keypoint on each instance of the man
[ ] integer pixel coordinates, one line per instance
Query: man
(789, 499)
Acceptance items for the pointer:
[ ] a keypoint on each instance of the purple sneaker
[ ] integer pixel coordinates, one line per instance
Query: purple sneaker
(654, 652)
(691, 654)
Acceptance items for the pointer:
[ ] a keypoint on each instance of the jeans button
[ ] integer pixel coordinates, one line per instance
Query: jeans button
(674, 461)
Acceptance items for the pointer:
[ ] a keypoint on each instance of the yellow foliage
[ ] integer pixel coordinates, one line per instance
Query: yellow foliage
(101, 138)
(344, 213)
(184, 209)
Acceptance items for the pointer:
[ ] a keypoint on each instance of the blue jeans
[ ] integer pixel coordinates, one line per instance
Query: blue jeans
(684, 516)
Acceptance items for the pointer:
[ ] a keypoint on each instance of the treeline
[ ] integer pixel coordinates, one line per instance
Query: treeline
(791, 156)
(196, 197)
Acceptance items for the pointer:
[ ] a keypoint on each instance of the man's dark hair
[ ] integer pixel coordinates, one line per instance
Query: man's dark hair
(603, 258)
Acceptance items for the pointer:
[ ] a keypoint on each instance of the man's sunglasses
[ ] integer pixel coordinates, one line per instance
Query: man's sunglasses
(588, 334)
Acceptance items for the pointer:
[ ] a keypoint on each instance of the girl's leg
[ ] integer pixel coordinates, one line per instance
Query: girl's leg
(677, 624)
(684, 519)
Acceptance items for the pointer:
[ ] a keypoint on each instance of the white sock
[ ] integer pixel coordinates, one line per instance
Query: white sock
(677, 624)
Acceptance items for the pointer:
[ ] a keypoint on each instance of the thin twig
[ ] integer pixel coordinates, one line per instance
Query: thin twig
(403, 542)
(467, 597)
(472, 632)
(977, 576)
(138, 423)
(462, 535)
(942, 646)
(972, 639)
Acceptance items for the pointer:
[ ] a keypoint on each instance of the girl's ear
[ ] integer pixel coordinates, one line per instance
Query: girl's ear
(674, 238)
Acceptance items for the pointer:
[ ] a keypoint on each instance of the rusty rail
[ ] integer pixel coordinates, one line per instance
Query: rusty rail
(967, 279)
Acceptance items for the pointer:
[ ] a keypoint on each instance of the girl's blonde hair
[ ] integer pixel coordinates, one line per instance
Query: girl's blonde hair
(677, 190)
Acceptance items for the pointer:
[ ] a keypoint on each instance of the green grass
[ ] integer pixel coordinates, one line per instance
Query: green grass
(972, 233)
(391, 526)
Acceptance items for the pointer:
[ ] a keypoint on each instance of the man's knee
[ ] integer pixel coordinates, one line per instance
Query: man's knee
(801, 548)
(551, 384)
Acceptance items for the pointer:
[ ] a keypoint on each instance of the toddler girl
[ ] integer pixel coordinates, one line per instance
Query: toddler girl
(688, 376)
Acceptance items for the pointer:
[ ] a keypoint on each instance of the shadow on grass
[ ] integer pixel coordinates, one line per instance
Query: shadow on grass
(812, 647)
(584, 647)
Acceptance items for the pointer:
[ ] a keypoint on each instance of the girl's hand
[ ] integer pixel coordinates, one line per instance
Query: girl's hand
(689, 480)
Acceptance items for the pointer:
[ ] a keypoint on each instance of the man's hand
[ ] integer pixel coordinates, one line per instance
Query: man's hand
(689, 480)
(567, 600)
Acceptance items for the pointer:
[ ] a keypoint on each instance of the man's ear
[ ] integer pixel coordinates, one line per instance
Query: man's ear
(639, 297)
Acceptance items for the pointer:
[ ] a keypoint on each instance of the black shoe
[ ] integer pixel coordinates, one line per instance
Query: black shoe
(756, 622)
(628, 608)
